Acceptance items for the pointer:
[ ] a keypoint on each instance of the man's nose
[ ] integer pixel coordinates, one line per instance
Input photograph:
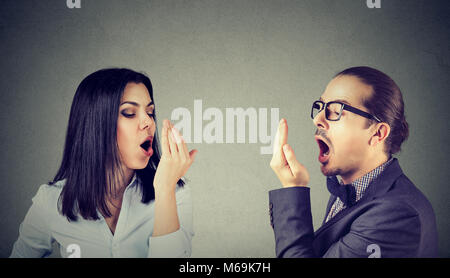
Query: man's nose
(320, 120)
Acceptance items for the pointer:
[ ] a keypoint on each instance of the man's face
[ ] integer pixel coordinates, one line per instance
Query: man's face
(343, 144)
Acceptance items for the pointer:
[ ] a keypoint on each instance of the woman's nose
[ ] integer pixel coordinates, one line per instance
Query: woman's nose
(146, 122)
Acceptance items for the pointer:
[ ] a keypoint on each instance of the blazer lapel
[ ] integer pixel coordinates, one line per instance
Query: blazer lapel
(377, 187)
(330, 203)
(383, 183)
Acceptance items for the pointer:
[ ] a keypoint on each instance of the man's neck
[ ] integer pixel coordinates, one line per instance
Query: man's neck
(368, 165)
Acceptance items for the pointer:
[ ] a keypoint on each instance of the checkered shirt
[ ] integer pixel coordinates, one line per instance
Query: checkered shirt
(360, 186)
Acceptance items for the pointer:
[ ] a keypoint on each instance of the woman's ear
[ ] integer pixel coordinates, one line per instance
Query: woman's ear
(381, 132)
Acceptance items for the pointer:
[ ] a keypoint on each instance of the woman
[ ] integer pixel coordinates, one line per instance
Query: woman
(114, 195)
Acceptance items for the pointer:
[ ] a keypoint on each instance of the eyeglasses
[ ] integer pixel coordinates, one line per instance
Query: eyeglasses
(333, 110)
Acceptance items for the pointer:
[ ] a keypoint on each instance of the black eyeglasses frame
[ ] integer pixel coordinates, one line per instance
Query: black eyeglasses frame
(343, 107)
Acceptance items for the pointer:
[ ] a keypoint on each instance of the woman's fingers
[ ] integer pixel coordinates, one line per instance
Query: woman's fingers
(176, 159)
(172, 144)
(177, 147)
(182, 148)
(164, 140)
(192, 155)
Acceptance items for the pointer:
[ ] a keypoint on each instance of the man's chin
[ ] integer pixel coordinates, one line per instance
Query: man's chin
(327, 170)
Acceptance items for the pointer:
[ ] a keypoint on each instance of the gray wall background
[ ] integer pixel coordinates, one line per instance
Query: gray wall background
(229, 54)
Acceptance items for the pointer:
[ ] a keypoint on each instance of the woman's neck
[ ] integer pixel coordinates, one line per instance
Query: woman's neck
(116, 191)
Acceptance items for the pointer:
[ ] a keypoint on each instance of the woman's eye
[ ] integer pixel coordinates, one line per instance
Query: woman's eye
(151, 115)
(128, 115)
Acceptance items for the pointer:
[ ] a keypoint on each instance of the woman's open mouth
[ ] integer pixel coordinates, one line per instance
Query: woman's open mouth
(324, 152)
(146, 146)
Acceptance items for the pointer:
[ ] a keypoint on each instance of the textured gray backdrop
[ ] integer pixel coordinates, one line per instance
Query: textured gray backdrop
(260, 54)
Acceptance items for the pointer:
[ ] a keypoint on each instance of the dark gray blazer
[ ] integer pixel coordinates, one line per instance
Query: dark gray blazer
(392, 219)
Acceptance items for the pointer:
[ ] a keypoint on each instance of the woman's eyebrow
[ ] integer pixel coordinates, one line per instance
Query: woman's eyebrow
(135, 103)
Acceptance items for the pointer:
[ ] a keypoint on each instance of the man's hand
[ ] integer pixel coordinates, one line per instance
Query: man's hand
(289, 171)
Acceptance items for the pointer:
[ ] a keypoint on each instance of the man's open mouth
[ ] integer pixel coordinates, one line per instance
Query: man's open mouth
(324, 149)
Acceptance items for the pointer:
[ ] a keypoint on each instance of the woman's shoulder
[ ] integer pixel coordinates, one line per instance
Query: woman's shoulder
(48, 193)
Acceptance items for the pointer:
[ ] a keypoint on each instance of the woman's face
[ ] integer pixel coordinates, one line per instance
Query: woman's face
(135, 127)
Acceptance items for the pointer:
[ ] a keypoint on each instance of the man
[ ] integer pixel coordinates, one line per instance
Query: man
(374, 209)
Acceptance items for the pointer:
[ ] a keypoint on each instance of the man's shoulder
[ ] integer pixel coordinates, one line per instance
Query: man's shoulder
(403, 200)
(409, 193)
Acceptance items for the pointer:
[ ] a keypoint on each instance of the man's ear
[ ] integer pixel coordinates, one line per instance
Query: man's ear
(381, 132)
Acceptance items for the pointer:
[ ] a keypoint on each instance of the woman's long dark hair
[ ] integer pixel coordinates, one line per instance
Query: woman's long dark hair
(91, 161)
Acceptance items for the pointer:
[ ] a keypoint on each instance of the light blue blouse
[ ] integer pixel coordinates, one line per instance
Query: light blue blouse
(43, 225)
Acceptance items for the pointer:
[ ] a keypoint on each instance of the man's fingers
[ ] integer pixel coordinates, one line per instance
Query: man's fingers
(294, 165)
(280, 136)
(276, 142)
(283, 132)
(278, 160)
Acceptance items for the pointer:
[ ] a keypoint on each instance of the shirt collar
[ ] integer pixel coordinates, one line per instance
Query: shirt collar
(133, 180)
(352, 193)
(363, 182)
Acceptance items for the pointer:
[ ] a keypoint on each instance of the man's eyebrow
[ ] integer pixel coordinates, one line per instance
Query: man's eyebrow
(337, 100)
(135, 103)
(343, 101)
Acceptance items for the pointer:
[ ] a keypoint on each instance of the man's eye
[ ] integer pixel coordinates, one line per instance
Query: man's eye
(331, 110)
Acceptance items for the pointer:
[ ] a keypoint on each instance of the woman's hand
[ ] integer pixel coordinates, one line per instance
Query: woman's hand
(175, 160)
